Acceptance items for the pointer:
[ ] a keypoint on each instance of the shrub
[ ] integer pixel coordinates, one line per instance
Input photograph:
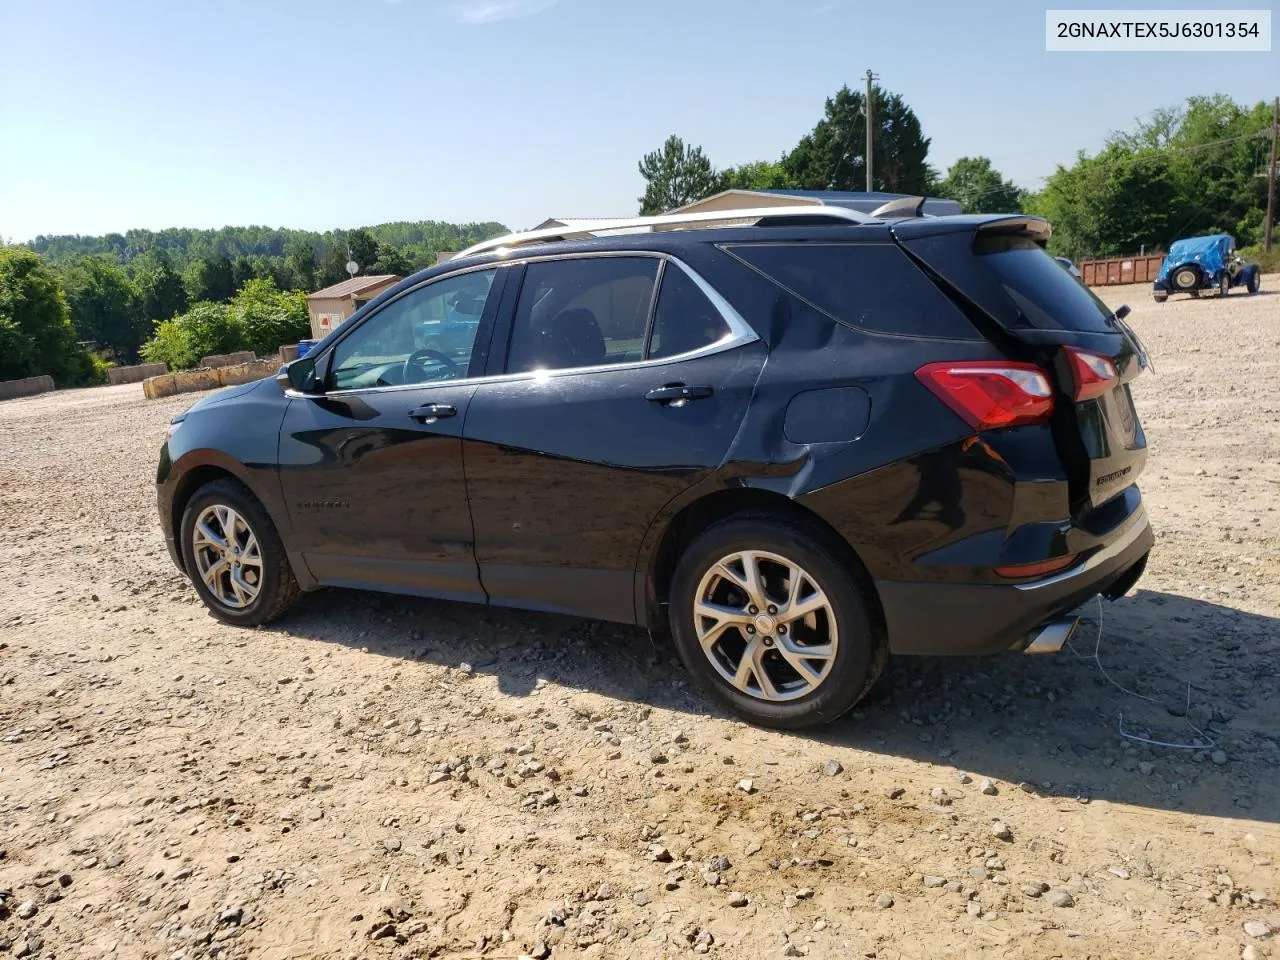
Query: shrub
(1267, 262)
(268, 318)
(204, 329)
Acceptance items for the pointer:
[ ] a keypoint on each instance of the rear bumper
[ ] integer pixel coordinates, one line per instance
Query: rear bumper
(969, 619)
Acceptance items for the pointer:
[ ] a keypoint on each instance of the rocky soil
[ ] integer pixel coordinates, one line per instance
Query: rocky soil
(385, 777)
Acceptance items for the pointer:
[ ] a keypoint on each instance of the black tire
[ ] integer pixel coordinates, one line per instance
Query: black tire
(861, 648)
(1254, 283)
(1185, 279)
(1224, 285)
(278, 590)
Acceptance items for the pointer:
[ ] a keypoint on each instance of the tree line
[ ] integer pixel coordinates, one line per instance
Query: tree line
(1182, 171)
(176, 295)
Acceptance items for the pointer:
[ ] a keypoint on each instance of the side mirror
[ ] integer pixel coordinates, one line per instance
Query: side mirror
(300, 375)
(1122, 311)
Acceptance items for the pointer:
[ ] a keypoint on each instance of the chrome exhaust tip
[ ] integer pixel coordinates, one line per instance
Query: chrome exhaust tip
(1053, 636)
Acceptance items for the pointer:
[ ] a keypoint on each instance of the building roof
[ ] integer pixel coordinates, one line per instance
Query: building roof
(356, 285)
(832, 195)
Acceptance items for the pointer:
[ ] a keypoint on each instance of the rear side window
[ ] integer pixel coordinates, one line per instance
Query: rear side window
(872, 286)
(685, 319)
(1048, 296)
(582, 313)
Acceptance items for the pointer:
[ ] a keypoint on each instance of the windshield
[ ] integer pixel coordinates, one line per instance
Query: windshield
(1048, 296)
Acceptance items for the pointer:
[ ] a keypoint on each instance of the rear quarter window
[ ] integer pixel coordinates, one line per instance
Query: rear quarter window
(869, 286)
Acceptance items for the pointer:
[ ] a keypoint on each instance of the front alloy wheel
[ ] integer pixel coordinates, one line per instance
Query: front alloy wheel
(234, 556)
(765, 625)
(228, 558)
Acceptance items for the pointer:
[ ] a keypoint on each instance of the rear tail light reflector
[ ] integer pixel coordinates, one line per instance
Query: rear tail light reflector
(1041, 569)
(989, 395)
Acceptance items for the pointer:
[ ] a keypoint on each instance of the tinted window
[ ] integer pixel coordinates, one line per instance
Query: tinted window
(423, 337)
(582, 313)
(869, 285)
(685, 319)
(1048, 296)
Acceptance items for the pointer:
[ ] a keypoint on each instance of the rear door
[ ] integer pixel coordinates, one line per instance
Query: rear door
(372, 469)
(624, 381)
(1020, 298)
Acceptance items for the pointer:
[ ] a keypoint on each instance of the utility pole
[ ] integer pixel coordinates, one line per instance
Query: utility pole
(869, 109)
(1271, 175)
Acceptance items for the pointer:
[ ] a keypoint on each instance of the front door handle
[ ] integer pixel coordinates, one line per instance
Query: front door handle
(431, 412)
(678, 394)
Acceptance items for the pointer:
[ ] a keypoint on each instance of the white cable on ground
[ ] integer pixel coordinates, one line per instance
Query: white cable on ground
(1208, 741)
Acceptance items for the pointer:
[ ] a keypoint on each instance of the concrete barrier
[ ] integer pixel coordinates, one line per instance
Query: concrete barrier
(227, 359)
(25, 387)
(288, 352)
(190, 381)
(248, 372)
(136, 373)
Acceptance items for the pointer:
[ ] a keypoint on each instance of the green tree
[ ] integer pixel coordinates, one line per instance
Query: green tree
(105, 307)
(675, 175)
(979, 188)
(391, 260)
(36, 336)
(333, 260)
(833, 155)
(1112, 204)
(210, 278)
(364, 249)
(760, 175)
(301, 261)
(161, 293)
(1180, 172)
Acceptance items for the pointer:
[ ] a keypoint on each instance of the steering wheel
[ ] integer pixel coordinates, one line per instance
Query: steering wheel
(415, 360)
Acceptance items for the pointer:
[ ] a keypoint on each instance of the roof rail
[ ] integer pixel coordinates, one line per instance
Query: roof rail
(756, 216)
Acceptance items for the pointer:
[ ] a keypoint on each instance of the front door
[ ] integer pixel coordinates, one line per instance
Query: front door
(613, 401)
(372, 469)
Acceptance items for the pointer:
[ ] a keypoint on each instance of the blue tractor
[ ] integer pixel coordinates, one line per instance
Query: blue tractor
(1205, 263)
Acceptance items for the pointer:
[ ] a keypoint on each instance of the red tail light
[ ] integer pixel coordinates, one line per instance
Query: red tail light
(1092, 374)
(989, 395)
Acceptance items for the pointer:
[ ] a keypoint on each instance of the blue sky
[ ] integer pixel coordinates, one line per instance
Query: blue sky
(338, 113)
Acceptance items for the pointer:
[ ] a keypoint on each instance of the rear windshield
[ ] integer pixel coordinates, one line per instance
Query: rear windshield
(1048, 296)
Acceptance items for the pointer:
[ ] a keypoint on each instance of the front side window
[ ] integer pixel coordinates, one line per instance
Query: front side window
(582, 312)
(425, 336)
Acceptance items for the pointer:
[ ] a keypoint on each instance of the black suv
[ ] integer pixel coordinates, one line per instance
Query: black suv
(802, 440)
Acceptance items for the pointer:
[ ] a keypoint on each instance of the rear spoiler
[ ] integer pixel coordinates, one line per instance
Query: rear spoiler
(1034, 228)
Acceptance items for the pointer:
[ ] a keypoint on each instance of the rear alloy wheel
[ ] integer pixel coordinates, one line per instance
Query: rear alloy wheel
(234, 556)
(772, 624)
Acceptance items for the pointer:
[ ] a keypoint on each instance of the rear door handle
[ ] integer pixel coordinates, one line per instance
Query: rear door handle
(431, 412)
(677, 394)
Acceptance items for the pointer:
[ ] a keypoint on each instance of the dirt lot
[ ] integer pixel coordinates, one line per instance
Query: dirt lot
(389, 777)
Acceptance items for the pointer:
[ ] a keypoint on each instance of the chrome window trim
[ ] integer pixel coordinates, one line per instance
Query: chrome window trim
(740, 332)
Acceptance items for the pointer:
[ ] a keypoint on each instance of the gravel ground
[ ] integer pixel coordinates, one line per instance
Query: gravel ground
(388, 777)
